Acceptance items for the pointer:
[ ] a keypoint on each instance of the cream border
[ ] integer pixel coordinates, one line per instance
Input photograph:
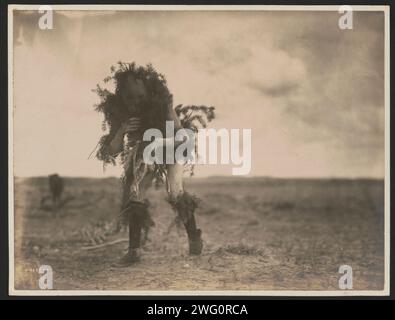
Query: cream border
(12, 291)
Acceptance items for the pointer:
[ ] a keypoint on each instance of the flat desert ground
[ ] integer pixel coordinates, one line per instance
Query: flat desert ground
(259, 234)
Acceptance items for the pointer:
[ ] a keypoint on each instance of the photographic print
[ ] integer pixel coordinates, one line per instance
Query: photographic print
(204, 150)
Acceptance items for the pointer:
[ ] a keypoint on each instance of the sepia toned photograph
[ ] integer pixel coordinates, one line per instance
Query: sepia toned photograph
(198, 150)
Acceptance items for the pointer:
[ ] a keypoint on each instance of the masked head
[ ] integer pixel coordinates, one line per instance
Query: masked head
(132, 93)
(140, 92)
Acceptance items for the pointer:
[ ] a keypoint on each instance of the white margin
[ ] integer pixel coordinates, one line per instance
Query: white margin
(11, 238)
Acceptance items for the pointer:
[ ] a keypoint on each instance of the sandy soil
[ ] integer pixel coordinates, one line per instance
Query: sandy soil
(259, 234)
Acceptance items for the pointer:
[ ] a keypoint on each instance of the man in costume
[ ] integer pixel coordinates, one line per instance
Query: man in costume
(142, 101)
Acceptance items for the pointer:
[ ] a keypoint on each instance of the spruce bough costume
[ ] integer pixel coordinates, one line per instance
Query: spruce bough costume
(150, 101)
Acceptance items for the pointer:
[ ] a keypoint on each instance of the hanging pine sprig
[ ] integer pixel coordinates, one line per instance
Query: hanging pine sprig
(154, 108)
(115, 112)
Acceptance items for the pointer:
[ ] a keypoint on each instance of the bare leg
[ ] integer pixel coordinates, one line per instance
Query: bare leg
(185, 205)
